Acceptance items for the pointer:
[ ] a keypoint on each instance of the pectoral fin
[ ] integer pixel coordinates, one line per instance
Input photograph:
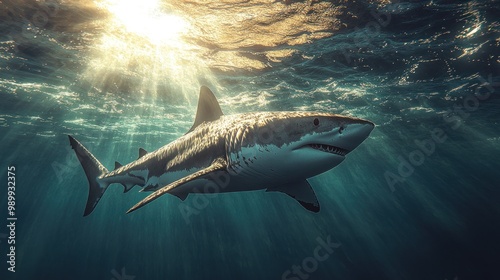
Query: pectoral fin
(302, 192)
(127, 186)
(182, 195)
(218, 164)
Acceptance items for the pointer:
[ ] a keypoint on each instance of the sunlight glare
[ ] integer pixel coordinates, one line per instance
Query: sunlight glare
(147, 20)
(143, 51)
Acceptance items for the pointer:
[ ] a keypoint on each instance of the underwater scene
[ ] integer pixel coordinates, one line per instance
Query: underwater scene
(358, 139)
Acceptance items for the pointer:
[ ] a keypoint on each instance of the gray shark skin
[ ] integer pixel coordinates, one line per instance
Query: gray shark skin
(272, 151)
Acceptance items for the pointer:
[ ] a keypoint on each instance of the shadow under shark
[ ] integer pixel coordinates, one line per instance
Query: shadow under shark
(275, 151)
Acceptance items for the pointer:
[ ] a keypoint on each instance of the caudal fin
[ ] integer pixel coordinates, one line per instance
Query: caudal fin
(93, 169)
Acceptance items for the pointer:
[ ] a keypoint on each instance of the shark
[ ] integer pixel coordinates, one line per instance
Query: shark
(271, 151)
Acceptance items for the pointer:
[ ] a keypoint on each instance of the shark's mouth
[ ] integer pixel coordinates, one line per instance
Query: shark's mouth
(329, 149)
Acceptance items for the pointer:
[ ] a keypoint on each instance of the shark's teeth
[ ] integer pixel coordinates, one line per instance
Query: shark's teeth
(329, 149)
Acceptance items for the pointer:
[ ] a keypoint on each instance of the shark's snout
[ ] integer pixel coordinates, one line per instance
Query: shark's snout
(354, 134)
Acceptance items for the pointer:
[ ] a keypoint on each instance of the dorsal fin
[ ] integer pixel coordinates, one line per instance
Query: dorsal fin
(117, 165)
(208, 108)
(142, 152)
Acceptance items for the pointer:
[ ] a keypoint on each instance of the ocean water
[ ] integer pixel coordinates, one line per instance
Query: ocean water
(419, 199)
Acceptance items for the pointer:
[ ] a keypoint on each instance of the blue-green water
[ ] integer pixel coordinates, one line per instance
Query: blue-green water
(404, 205)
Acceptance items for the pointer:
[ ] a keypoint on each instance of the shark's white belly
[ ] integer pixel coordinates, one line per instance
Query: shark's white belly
(252, 168)
(216, 182)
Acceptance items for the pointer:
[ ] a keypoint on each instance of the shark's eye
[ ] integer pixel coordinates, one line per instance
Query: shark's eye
(316, 121)
(341, 129)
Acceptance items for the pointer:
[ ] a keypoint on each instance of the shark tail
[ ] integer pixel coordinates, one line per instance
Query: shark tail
(93, 169)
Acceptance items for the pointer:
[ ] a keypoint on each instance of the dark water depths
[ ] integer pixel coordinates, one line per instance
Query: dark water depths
(120, 75)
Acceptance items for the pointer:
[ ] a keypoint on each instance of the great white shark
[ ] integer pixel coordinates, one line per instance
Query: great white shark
(273, 151)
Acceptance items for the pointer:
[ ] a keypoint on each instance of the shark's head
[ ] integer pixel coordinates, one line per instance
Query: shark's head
(323, 134)
(305, 143)
(282, 144)
(323, 140)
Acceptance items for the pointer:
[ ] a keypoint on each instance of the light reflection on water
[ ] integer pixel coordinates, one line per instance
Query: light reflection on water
(166, 49)
(169, 48)
(173, 46)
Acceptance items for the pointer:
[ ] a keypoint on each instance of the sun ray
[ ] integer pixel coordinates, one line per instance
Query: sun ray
(142, 51)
